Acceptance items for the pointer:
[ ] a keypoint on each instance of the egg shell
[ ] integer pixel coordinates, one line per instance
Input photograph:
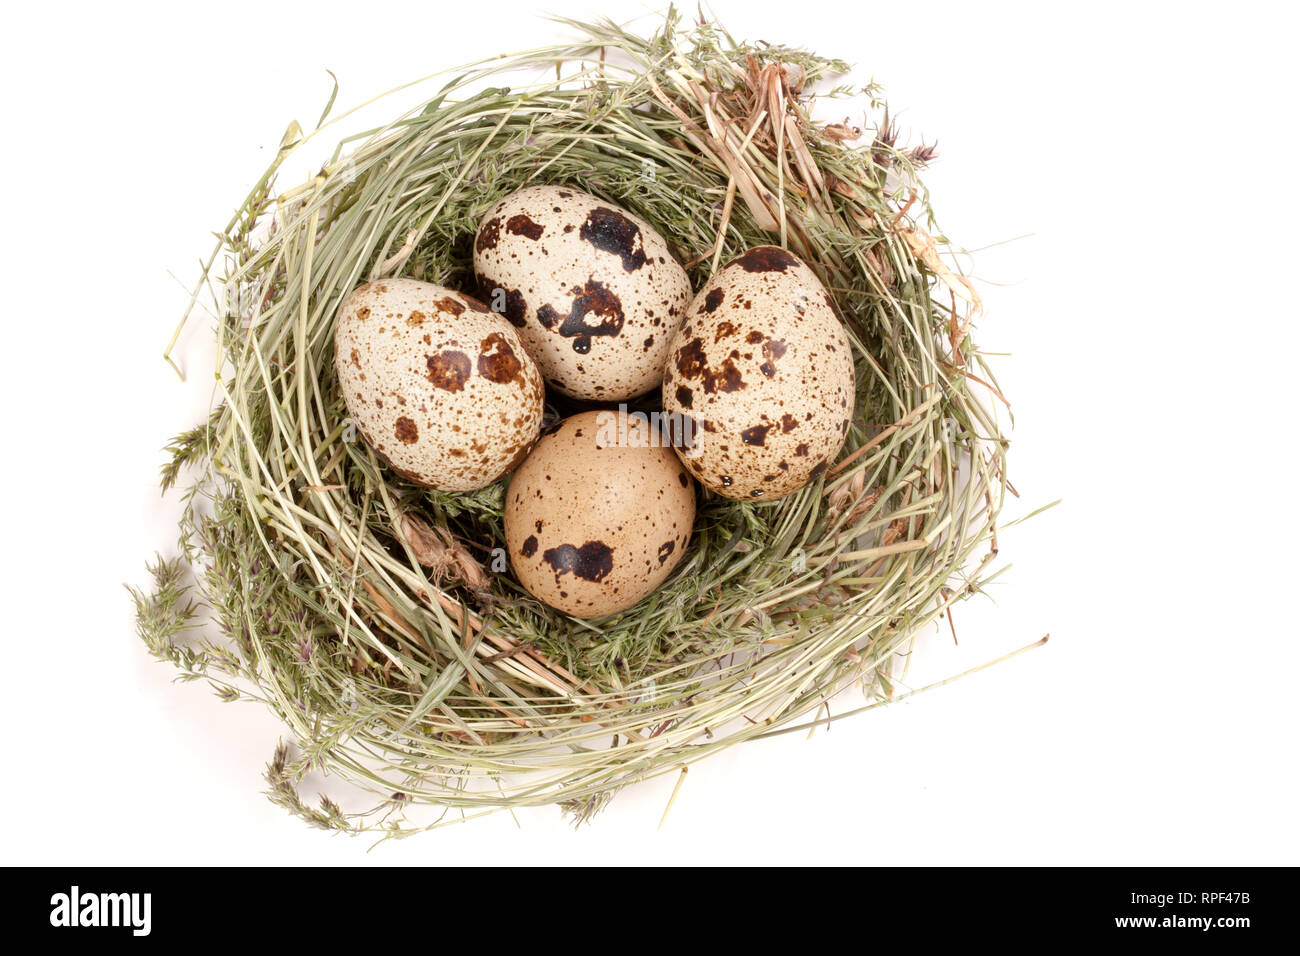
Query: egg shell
(438, 385)
(596, 521)
(763, 368)
(593, 289)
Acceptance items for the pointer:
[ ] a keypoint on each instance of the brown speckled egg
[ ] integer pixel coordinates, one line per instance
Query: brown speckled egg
(440, 387)
(593, 290)
(596, 520)
(762, 366)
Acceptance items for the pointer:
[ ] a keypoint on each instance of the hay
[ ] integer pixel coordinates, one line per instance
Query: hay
(366, 612)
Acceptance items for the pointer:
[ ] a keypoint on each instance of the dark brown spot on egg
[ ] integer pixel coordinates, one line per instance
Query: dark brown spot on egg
(692, 364)
(521, 225)
(592, 299)
(713, 300)
(788, 423)
(529, 547)
(766, 259)
(773, 349)
(591, 562)
(684, 396)
(723, 330)
(753, 338)
(611, 231)
(726, 379)
(448, 304)
(448, 370)
(415, 319)
(665, 550)
(681, 477)
(406, 431)
(801, 450)
(497, 361)
(516, 308)
(356, 358)
(489, 235)
(363, 313)
(756, 435)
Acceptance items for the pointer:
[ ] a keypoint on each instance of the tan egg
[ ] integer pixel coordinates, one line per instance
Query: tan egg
(594, 290)
(598, 516)
(439, 386)
(763, 373)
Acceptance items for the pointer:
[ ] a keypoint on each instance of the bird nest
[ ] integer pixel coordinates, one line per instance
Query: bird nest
(378, 619)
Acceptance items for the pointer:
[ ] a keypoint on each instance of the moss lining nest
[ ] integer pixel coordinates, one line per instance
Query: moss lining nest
(369, 613)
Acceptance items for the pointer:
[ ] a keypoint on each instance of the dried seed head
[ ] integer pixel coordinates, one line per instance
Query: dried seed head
(425, 544)
(794, 76)
(468, 569)
(841, 132)
(887, 132)
(896, 529)
(923, 154)
(849, 496)
(442, 554)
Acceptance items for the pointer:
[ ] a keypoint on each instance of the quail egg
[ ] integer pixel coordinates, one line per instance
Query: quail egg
(598, 515)
(593, 290)
(439, 386)
(763, 369)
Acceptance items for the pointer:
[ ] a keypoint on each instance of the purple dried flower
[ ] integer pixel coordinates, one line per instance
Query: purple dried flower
(923, 154)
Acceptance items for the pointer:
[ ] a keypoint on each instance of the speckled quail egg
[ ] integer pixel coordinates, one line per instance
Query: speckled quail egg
(763, 369)
(439, 386)
(598, 515)
(594, 290)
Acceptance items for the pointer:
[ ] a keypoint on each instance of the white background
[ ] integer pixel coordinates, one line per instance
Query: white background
(1147, 150)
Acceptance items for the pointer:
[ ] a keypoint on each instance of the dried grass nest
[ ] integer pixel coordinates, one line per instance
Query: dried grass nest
(414, 678)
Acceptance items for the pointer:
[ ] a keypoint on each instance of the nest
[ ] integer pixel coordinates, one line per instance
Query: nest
(378, 619)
